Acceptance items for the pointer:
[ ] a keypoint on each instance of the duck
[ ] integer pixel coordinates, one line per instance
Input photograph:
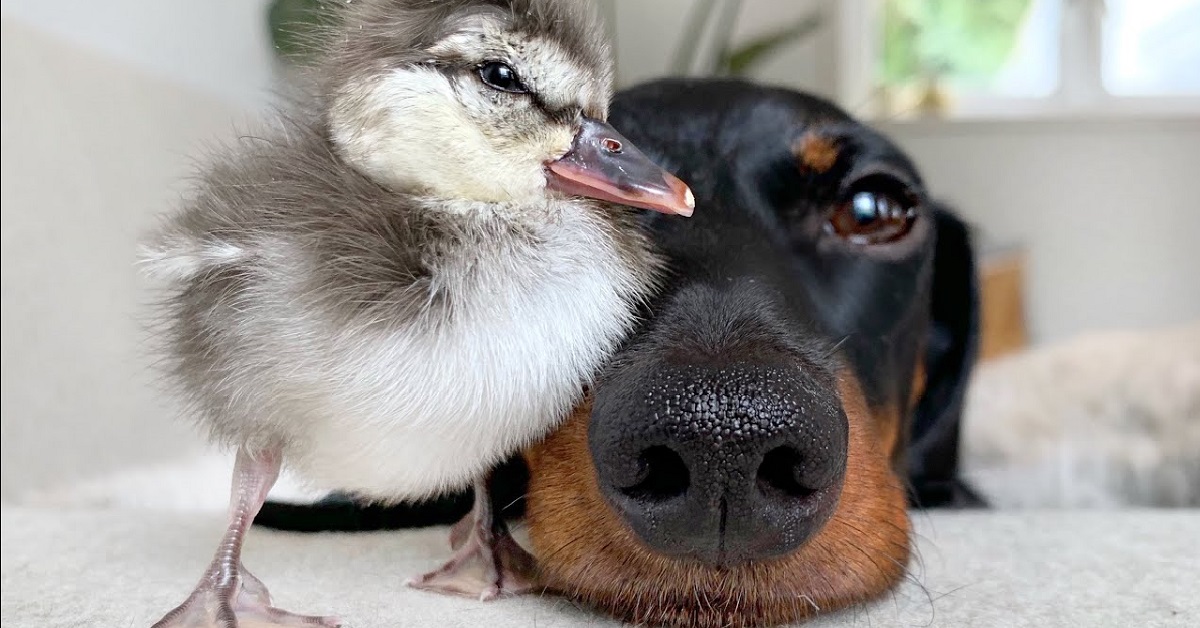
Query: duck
(409, 274)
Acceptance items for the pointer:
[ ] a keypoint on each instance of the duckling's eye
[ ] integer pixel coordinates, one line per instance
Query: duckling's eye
(501, 76)
(873, 215)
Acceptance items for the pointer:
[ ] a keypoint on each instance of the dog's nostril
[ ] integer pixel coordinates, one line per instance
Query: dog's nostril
(661, 475)
(783, 472)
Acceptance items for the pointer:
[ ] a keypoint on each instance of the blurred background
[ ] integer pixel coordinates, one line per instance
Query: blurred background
(1066, 131)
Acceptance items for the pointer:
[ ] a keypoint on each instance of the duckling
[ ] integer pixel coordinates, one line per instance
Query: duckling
(412, 274)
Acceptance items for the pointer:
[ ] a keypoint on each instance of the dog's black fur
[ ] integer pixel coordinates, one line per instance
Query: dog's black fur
(756, 255)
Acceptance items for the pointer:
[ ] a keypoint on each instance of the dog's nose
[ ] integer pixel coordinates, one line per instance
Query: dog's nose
(721, 465)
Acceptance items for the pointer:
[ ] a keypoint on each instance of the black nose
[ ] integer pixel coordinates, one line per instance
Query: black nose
(721, 465)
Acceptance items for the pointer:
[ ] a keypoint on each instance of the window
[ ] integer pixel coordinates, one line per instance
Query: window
(1152, 49)
(996, 46)
(1020, 58)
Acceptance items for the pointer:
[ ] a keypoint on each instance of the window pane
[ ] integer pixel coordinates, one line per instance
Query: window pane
(1152, 47)
(993, 47)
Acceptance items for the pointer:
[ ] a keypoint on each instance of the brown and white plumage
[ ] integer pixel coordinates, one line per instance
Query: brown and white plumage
(379, 289)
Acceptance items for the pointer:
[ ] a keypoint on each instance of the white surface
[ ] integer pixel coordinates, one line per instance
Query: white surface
(196, 483)
(125, 568)
(1106, 420)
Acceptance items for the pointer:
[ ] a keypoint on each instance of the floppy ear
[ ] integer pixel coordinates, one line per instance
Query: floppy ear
(950, 354)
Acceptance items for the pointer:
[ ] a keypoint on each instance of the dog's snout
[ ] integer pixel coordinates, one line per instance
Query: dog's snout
(721, 465)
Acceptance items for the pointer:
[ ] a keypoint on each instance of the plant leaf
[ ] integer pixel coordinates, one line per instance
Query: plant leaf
(741, 60)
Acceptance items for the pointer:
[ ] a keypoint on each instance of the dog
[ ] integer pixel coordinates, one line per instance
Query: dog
(749, 455)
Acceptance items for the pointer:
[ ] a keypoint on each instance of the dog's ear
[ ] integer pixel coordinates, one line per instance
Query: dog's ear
(950, 354)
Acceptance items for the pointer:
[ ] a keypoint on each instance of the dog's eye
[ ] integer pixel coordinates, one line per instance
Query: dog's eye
(500, 76)
(872, 217)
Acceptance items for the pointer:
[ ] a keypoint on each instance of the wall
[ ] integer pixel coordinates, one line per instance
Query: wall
(1107, 209)
(92, 150)
(220, 47)
(649, 33)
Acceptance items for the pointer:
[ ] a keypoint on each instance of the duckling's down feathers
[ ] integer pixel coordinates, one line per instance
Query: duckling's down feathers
(393, 345)
(374, 34)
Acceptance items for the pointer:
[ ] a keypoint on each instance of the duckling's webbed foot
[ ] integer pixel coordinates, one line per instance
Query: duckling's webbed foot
(229, 596)
(487, 563)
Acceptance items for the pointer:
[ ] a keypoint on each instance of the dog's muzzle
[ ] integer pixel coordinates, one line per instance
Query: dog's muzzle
(721, 464)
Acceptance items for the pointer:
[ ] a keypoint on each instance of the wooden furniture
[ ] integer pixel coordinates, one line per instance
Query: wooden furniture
(1002, 292)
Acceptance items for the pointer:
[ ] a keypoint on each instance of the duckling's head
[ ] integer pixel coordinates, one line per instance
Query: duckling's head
(485, 100)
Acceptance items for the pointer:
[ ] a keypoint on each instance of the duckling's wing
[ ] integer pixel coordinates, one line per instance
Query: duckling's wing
(285, 192)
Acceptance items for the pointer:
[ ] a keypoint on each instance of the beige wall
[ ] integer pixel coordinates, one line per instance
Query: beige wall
(219, 47)
(1108, 211)
(91, 151)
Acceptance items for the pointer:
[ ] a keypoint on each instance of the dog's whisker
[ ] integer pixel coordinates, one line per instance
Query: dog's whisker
(837, 345)
(514, 501)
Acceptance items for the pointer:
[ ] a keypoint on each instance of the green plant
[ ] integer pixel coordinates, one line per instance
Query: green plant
(742, 60)
(733, 60)
(968, 40)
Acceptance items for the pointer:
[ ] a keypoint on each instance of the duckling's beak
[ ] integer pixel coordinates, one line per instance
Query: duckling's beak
(602, 164)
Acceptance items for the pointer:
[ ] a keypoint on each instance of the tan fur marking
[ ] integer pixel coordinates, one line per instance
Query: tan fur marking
(585, 550)
(887, 424)
(815, 153)
(918, 385)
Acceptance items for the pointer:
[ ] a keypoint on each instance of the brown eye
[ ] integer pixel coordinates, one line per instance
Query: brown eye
(872, 218)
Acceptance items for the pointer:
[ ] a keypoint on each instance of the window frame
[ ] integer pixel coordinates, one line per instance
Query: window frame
(1080, 91)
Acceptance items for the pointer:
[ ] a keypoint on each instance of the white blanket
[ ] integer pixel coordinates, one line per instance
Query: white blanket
(123, 568)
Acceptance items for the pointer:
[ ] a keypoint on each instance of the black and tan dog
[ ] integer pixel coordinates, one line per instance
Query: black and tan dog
(745, 458)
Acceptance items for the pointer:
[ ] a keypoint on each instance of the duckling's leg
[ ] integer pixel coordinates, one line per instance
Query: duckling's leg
(228, 594)
(483, 544)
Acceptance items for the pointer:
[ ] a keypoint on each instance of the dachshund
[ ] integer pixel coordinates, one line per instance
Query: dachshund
(750, 454)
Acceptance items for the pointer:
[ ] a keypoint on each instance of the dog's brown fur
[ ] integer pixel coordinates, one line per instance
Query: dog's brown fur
(585, 551)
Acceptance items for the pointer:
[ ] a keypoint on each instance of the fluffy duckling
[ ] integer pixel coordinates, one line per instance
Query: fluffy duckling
(408, 279)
